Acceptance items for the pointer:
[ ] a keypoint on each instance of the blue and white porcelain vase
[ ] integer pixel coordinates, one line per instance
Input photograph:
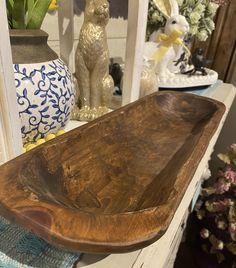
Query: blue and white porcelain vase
(44, 85)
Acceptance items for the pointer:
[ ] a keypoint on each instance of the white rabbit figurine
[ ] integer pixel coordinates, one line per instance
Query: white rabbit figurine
(167, 46)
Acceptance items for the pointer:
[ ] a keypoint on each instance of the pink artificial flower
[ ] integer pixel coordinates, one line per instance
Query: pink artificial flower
(230, 175)
(222, 204)
(228, 202)
(233, 147)
(232, 230)
(232, 227)
(222, 186)
(204, 233)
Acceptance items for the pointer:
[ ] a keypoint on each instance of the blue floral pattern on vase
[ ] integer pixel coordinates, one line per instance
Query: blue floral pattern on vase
(45, 96)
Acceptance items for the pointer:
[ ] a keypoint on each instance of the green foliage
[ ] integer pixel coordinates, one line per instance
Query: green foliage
(26, 14)
(199, 14)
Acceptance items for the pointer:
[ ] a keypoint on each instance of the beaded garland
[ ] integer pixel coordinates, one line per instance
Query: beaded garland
(29, 146)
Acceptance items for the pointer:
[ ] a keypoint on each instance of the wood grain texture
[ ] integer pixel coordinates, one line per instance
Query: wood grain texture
(112, 185)
(227, 42)
(220, 46)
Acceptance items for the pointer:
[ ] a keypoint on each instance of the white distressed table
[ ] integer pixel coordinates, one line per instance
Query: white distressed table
(162, 253)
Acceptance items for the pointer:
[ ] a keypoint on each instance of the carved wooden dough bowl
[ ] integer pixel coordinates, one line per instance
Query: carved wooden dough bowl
(112, 185)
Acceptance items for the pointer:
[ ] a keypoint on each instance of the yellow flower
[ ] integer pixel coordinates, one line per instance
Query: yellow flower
(53, 6)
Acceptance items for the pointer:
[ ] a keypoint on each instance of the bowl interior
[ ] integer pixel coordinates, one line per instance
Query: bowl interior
(125, 163)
